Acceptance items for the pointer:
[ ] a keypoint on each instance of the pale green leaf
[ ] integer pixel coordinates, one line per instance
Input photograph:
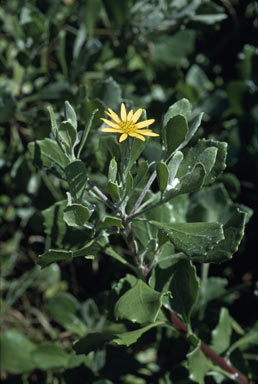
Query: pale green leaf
(141, 304)
(222, 333)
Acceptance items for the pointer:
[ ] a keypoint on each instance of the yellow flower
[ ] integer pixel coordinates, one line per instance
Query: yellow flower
(127, 124)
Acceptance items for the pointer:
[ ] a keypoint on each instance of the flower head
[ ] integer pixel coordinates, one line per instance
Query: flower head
(127, 124)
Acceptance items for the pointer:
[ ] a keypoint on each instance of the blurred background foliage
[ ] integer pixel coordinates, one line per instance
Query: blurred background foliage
(147, 53)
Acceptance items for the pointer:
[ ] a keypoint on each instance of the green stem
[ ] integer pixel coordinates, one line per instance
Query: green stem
(204, 282)
(142, 195)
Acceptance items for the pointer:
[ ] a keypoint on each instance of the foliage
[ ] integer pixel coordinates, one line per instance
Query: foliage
(102, 241)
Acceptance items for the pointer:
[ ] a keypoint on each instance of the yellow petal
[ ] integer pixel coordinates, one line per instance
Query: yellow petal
(134, 134)
(147, 132)
(137, 115)
(130, 115)
(111, 130)
(123, 112)
(123, 137)
(110, 123)
(113, 115)
(145, 123)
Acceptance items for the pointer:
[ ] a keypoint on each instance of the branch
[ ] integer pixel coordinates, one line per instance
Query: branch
(101, 195)
(142, 195)
(218, 360)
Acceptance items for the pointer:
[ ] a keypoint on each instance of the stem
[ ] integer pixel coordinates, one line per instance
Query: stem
(218, 360)
(204, 281)
(142, 195)
(100, 194)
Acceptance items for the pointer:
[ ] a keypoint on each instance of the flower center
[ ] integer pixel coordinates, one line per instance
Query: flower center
(127, 126)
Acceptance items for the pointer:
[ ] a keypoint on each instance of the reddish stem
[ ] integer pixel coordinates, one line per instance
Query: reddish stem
(218, 360)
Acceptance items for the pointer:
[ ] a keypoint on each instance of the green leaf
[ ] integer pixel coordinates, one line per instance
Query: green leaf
(54, 127)
(128, 184)
(162, 175)
(184, 286)
(86, 132)
(181, 107)
(194, 239)
(61, 52)
(45, 153)
(91, 111)
(118, 12)
(70, 114)
(76, 215)
(193, 180)
(62, 308)
(108, 149)
(140, 304)
(211, 154)
(68, 135)
(141, 171)
(92, 342)
(174, 133)
(251, 338)
(17, 352)
(50, 355)
(76, 176)
(194, 127)
(129, 338)
(233, 233)
(110, 221)
(222, 333)
(136, 150)
(113, 191)
(181, 44)
(173, 166)
(214, 204)
(91, 14)
(53, 255)
(198, 365)
(112, 170)
(109, 92)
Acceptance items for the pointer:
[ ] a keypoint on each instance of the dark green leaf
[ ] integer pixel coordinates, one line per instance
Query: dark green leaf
(86, 131)
(184, 286)
(109, 92)
(162, 175)
(129, 338)
(92, 342)
(194, 239)
(233, 233)
(174, 133)
(45, 153)
(53, 255)
(136, 150)
(76, 175)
